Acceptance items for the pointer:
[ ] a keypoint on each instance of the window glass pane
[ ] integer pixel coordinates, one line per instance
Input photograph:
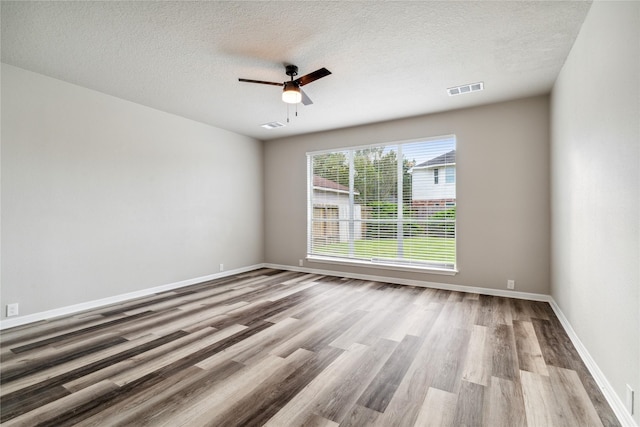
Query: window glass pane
(450, 174)
(385, 204)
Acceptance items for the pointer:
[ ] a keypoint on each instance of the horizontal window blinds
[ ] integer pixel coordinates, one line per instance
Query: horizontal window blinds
(391, 204)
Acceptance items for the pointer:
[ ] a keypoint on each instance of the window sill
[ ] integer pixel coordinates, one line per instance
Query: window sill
(381, 265)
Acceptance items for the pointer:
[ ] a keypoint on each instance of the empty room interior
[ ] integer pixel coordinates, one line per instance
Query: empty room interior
(247, 213)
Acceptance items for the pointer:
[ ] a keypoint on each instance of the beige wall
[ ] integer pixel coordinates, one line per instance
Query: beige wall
(102, 197)
(502, 187)
(595, 151)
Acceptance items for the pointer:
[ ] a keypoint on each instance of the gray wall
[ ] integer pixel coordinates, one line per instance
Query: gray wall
(101, 196)
(595, 151)
(502, 188)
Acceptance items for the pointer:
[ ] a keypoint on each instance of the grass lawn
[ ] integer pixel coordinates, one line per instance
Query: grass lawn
(434, 249)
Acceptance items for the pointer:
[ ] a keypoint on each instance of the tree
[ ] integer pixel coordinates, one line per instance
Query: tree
(333, 166)
(375, 177)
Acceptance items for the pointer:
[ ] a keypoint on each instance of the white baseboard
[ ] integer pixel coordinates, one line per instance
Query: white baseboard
(76, 308)
(420, 283)
(612, 397)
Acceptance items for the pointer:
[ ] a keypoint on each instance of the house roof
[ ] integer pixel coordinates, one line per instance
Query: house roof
(443, 159)
(326, 184)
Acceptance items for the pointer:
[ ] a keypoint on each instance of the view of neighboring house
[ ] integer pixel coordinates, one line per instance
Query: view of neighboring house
(331, 212)
(433, 184)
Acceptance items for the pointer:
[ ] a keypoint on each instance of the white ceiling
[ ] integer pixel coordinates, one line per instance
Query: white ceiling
(389, 59)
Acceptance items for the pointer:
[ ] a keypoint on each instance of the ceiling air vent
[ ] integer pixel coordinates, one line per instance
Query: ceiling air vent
(272, 125)
(458, 90)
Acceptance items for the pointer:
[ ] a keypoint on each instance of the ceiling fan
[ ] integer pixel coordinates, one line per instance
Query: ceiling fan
(291, 90)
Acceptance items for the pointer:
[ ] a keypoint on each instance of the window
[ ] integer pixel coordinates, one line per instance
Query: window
(379, 205)
(450, 175)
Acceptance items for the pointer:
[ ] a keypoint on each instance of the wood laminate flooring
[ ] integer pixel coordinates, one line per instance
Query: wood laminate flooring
(282, 348)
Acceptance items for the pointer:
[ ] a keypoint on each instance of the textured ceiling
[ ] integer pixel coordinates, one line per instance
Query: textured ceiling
(389, 59)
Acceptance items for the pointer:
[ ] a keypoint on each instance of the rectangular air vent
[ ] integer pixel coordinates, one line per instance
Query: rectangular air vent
(472, 87)
(272, 125)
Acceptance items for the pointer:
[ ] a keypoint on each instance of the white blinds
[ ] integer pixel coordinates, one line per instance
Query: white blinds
(391, 204)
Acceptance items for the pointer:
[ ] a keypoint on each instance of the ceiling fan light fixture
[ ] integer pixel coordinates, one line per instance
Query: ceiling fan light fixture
(291, 93)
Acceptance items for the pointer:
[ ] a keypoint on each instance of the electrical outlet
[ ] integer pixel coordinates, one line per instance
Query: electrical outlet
(12, 309)
(511, 284)
(221, 267)
(300, 263)
(630, 399)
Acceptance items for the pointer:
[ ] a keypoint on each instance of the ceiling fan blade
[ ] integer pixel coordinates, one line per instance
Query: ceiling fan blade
(312, 77)
(305, 98)
(260, 81)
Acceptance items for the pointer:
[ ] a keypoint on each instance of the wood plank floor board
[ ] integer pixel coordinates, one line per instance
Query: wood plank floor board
(427, 366)
(528, 348)
(218, 346)
(502, 311)
(60, 374)
(572, 398)
(485, 313)
(320, 295)
(345, 385)
(21, 400)
(51, 347)
(60, 338)
(112, 365)
(557, 350)
(505, 357)
(360, 416)
(479, 360)
(405, 322)
(57, 409)
(13, 407)
(60, 357)
(280, 394)
(74, 414)
(380, 391)
(337, 403)
(539, 401)
(283, 348)
(225, 405)
(322, 336)
(257, 346)
(45, 329)
(318, 395)
(363, 331)
(438, 409)
(453, 349)
(167, 302)
(470, 405)
(146, 407)
(504, 404)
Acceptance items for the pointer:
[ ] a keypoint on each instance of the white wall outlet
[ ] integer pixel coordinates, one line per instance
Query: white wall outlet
(511, 284)
(221, 267)
(630, 399)
(300, 263)
(12, 309)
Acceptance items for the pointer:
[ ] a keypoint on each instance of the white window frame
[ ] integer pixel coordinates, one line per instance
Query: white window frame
(428, 268)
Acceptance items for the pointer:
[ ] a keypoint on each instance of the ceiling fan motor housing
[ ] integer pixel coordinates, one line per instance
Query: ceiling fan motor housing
(291, 70)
